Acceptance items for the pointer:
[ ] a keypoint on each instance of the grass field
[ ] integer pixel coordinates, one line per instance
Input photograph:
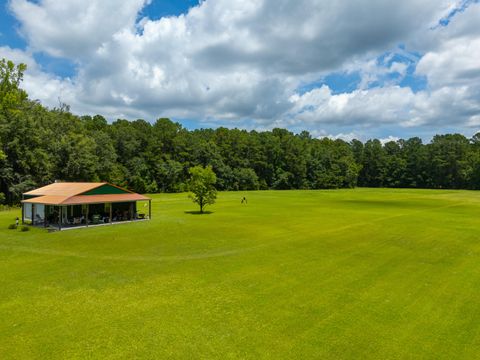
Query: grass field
(347, 274)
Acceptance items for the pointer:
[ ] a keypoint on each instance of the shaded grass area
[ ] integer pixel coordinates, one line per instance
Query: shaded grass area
(346, 274)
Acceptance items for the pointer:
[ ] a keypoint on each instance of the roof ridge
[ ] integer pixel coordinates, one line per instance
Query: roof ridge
(68, 188)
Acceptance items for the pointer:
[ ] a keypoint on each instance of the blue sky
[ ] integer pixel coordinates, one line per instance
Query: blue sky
(338, 81)
(349, 81)
(10, 34)
(8, 28)
(157, 9)
(387, 70)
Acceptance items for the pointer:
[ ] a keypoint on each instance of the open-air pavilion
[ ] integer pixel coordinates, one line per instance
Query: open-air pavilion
(70, 204)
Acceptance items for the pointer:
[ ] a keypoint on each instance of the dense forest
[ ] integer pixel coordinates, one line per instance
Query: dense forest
(39, 145)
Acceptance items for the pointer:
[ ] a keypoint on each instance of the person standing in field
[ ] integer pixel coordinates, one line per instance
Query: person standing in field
(244, 200)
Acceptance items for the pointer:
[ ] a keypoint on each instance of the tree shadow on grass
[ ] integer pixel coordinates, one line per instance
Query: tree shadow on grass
(198, 212)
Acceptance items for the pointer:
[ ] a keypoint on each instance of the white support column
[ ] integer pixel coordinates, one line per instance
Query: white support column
(60, 218)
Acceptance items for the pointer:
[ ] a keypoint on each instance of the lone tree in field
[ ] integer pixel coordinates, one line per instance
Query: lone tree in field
(202, 185)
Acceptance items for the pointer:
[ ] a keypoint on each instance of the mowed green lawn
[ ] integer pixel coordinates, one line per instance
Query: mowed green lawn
(345, 274)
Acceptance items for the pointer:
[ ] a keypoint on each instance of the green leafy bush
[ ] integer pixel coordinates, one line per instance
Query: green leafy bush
(12, 226)
(24, 228)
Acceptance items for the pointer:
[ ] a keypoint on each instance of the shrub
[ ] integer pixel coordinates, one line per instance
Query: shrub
(24, 228)
(12, 226)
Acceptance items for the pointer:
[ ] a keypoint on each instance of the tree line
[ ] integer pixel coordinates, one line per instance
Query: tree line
(39, 145)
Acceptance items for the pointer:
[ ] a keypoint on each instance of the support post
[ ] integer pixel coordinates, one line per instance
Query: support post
(149, 209)
(23, 213)
(33, 214)
(59, 218)
(86, 217)
(110, 218)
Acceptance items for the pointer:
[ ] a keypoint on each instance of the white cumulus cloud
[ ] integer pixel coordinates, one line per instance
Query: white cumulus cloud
(233, 61)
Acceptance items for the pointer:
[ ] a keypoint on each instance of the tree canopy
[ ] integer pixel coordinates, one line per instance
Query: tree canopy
(39, 145)
(202, 186)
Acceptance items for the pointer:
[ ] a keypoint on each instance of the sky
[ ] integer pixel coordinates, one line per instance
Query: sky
(343, 69)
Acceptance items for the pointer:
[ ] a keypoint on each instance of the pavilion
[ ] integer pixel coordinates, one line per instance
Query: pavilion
(76, 204)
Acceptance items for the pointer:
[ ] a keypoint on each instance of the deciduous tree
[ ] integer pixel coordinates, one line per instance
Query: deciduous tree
(202, 185)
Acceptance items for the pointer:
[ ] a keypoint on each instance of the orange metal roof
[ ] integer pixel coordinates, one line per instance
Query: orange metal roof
(65, 188)
(69, 193)
(47, 199)
(85, 199)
